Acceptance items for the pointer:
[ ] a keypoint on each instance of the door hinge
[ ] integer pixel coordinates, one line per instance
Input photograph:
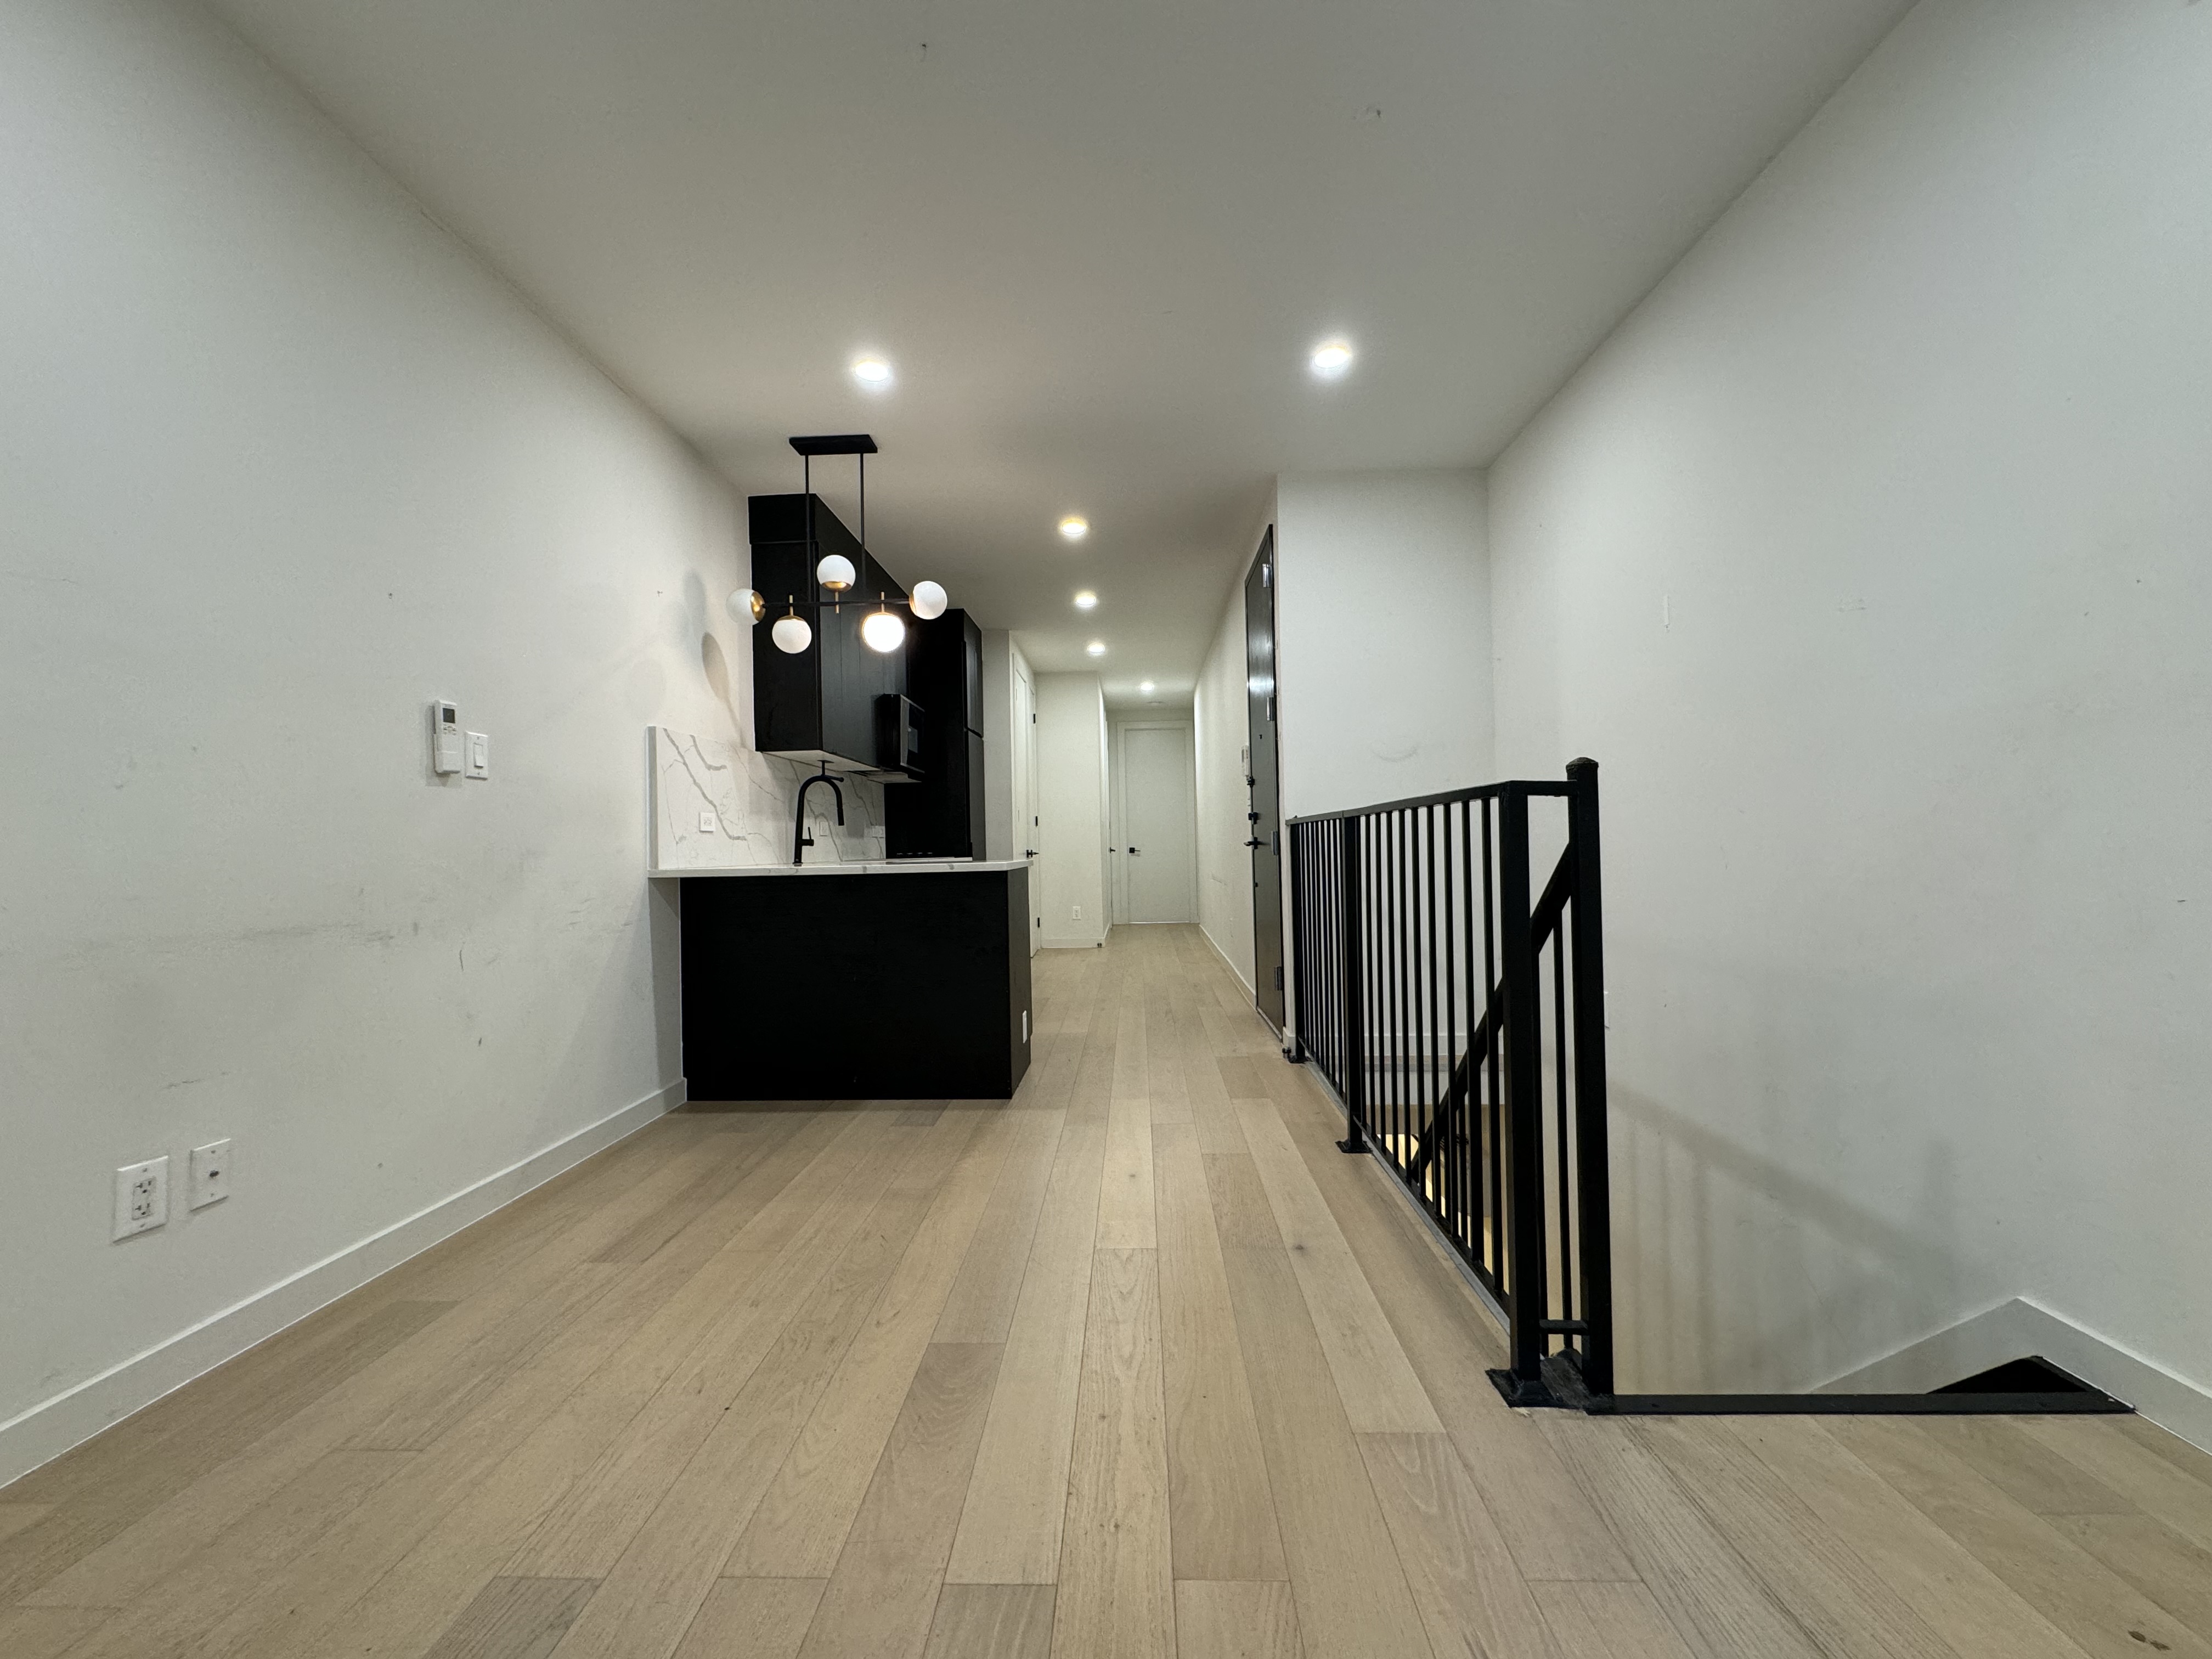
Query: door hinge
(1266, 575)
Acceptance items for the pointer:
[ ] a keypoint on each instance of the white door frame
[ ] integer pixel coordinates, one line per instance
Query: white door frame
(1024, 798)
(1117, 857)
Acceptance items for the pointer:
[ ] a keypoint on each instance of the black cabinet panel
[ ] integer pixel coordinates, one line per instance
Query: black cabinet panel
(856, 987)
(942, 815)
(823, 698)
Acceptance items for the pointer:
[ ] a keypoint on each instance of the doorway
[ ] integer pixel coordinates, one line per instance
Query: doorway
(1155, 849)
(1024, 781)
(1264, 778)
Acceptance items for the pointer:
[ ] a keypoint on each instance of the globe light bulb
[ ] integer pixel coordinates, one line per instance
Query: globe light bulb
(883, 631)
(928, 600)
(746, 607)
(792, 635)
(834, 572)
(1074, 527)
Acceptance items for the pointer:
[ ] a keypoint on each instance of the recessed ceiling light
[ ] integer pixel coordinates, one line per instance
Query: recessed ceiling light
(1331, 358)
(872, 372)
(1075, 529)
(1097, 648)
(1145, 685)
(1086, 600)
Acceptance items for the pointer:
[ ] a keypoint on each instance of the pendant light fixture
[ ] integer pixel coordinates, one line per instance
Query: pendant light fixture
(881, 628)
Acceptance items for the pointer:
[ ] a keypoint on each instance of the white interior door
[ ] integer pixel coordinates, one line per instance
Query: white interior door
(1025, 791)
(1159, 824)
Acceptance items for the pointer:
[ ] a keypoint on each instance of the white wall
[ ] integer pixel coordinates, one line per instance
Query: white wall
(1381, 636)
(1222, 730)
(281, 462)
(1000, 658)
(1870, 559)
(1070, 865)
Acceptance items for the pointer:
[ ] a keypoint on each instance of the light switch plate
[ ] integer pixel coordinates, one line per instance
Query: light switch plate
(142, 1196)
(211, 1173)
(479, 755)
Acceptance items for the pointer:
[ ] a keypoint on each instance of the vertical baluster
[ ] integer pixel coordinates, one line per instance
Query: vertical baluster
(1354, 1087)
(1416, 1092)
(1430, 1029)
(1412, 888)
(1595, 1208)
(1494, 1006)
(1559, 1088)
(1334, 920)
(1471, 1139)
(1403, 915)
(1393, 990)
(1447, 1156)
(1324, 958)
(1391, 922)
(1369, 958)
(1523, 1084)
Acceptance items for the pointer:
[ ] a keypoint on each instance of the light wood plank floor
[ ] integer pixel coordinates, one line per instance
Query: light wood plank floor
(1134, 1364)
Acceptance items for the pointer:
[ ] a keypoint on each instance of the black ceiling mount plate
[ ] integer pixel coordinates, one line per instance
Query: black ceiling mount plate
(835, 443)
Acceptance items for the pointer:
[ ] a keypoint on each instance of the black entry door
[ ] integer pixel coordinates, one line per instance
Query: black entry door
(1263, 775)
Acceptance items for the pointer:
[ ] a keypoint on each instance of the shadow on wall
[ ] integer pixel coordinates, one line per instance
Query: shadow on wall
(1739, 1264)
(1734, 1273)
(716, 663)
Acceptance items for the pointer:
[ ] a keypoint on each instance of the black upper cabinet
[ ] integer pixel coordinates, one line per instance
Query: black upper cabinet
(822, 703)
(942, 815)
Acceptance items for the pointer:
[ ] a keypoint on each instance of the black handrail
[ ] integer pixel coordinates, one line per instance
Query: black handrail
(1412, 923)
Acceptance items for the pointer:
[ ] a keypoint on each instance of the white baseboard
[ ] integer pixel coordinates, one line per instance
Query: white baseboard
(1072, 942)
(2017, 1329)
(1235, 972)
(52, 1427)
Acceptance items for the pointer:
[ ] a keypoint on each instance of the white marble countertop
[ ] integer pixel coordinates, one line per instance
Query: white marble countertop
(874, 867)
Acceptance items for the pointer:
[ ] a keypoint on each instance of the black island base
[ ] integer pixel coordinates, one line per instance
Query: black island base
(881, 985)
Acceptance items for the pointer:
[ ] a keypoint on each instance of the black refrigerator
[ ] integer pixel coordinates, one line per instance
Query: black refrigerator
(941, 816)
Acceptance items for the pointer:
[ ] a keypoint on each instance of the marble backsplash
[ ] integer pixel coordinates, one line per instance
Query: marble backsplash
(717, 803)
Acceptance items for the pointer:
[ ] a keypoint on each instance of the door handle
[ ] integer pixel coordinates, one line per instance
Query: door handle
(1136, 850)
(1254, 841)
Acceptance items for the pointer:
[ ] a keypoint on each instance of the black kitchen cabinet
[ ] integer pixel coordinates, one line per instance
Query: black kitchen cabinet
(821, 705)
(906, 985)
(942, 815)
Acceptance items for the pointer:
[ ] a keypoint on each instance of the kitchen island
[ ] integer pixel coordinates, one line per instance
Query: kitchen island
(897, 980)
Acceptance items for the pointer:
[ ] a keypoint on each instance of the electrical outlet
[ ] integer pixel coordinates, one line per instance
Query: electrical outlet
(1075, 913)
(706, 824)
(211, 1173)
(142, 1196)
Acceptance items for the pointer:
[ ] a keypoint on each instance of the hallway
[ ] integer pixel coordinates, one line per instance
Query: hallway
(1137, 1364)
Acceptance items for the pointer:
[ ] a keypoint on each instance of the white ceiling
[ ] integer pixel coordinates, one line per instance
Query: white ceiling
(1095, 241)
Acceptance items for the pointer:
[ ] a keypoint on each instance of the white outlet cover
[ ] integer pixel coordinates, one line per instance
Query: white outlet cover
(142, 1196)
(211, 1173)
(707, 823)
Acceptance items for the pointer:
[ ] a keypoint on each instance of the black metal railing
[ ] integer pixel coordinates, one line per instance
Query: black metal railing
(1461, 1025)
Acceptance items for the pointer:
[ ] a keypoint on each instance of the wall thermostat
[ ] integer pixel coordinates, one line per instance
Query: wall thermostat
(445, 738)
